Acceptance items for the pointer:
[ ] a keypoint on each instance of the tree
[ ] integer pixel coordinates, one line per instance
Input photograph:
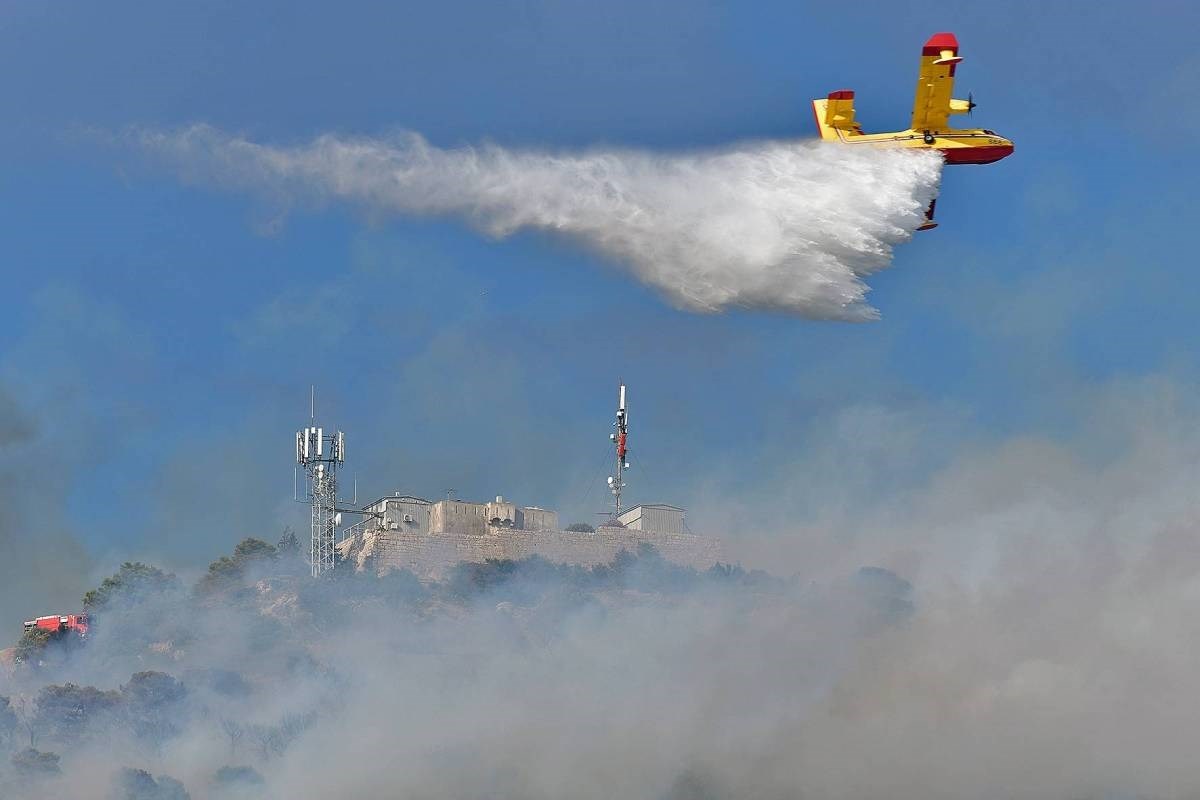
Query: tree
(622, 562)
(32, 645)
(288, 545)
(152, 704)
(171, 789)
(39, 646)
(25, 707)
(226, 682)
(887, 596)
(134, 582)
(224, 573)
(468, 578)
(137, 784)
(645, 550)
(273, 740)
(249, 550)
(138, 605)
(31, 763)
(400, 587)
(237, 778)
(227, 572)
(66, 712)
(288, 548)
(725, 572)
(290, 560)
(235, 731)
(581, 527)
(8, 722)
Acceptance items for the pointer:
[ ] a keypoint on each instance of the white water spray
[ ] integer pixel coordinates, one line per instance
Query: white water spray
(786, 226)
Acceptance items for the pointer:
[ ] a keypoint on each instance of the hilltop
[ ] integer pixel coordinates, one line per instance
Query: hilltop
(219, 681)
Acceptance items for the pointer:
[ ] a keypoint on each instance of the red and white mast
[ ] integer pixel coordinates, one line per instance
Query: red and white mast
(616, 482)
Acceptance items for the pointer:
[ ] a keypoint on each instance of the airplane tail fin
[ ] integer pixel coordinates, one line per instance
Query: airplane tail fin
(835, 115)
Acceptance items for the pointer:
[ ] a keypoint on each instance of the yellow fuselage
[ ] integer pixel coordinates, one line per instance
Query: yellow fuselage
(957, 145)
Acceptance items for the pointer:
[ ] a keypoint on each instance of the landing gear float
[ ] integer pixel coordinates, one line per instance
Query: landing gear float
(930, 128)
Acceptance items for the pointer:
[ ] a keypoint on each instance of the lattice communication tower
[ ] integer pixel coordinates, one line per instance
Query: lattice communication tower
(321, 454)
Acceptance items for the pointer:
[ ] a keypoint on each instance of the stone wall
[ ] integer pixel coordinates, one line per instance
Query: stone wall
(431, 555)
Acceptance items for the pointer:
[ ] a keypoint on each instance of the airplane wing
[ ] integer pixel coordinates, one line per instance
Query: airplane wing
(934, 104)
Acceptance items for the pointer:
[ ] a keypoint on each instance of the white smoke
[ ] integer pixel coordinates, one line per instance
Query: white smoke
(1043, 652)
(788, 226)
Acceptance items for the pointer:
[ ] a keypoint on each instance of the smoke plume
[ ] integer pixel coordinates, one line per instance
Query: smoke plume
(1025, 635)
(786, 226)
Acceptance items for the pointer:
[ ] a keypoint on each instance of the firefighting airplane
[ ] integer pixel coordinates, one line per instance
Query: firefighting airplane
(929, 128)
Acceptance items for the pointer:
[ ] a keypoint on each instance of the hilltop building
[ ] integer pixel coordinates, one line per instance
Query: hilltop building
(402, 512)
(405, 532)
(658, 517)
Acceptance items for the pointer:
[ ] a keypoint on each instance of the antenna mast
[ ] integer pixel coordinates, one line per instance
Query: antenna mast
(616, 482)
(321, 454)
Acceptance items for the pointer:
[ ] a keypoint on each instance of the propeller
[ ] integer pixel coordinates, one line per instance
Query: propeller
(971, 104)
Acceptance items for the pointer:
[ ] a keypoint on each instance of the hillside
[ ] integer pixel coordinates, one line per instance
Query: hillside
(232, 684)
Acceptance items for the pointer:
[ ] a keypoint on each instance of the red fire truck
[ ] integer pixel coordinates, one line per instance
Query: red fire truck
(57, 623)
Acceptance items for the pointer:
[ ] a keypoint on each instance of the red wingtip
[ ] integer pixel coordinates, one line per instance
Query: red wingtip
(939, 42)
(842, 94)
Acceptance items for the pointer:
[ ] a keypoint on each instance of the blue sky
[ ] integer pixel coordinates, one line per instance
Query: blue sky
(160, 339)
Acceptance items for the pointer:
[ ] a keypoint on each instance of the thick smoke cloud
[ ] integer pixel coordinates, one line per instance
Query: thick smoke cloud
(1041, 651)
(787, 226)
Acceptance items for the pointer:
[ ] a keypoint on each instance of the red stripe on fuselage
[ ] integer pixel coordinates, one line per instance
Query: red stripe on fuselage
(977, 155)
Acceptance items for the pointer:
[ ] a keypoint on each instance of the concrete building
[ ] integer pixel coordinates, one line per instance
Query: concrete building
(532, 518)
(501, 513)
(401, 512)
(456, 516)
(406, 532)
(656, 517)
(432, 556)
